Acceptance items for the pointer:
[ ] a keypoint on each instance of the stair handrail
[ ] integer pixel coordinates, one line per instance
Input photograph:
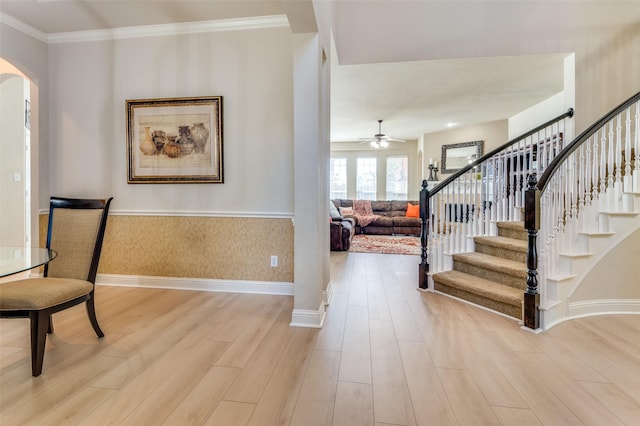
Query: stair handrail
(570, 112)
(585, 189)
(579, 140)
(426, 195)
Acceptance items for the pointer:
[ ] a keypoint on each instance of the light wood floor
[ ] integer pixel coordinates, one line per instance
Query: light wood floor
(387, 355)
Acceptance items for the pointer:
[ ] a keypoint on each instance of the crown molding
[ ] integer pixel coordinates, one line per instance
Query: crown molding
(22, 27)
(258, 22)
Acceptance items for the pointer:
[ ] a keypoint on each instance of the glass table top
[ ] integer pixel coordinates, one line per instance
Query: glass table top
(14, 260)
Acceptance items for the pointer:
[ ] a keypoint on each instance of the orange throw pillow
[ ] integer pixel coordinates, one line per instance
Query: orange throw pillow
(413, 211)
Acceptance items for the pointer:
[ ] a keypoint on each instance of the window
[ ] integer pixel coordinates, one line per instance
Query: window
(366, 178)
(367, 175)
(338, 178)
(397, 178)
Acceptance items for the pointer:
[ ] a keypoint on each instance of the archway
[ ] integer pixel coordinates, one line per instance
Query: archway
(15, 161)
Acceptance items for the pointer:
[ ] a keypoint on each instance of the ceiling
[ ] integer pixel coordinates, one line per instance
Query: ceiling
(428, 96)
(417, 65)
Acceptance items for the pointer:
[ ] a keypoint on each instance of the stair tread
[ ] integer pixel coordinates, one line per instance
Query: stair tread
(561, 277)
(575, 254)
(596, 234)
(612, 213)
(510, 267)
(503, 242)
(480, 286)
(519, 225)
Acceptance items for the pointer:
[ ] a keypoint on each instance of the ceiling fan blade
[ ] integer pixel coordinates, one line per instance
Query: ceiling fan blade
(380, 138)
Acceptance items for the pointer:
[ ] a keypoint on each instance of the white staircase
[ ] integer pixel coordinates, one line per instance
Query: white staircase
(601, 227)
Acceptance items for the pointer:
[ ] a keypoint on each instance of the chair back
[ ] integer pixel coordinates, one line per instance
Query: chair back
(76, 231)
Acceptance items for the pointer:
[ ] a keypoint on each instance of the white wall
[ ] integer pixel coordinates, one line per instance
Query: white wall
(536, 115)
(311, 243)
(251, 69)
(29, 55)
(606, 73)
(13, 89)
(550, 108)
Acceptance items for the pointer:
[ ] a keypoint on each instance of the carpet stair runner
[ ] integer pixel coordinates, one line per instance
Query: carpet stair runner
(494, 275)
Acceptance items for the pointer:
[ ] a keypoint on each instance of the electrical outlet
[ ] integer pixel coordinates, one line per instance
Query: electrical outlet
(274, 261)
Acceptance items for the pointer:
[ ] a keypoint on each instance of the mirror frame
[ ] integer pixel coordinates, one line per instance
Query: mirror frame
(447, 151)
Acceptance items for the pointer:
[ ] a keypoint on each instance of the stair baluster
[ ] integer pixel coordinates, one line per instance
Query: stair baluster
(587, 188)
(636, 170)
(472, 202)
(628, 180)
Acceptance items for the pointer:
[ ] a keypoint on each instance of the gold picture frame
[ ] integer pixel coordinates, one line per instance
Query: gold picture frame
(175, 140)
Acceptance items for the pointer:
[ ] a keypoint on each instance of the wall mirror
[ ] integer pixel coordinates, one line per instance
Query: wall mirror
(457, 155)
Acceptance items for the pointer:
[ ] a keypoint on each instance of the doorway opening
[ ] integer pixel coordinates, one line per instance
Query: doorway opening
(15, 161)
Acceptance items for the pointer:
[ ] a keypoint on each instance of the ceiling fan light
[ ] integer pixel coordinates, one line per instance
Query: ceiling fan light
(384, 144)
(374, 144)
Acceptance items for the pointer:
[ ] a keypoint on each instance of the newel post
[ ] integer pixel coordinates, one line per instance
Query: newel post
(531, 308)
(423, 270)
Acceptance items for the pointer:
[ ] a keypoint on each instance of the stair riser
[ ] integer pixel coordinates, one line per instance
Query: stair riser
(507, 309)
(503, 253)
(488, 274)
(621, 223)
(516, 234)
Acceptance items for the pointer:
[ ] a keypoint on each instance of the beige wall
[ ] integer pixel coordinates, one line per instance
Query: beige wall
(196, 247)
(606, 73)
(615, 275)
(493, 134)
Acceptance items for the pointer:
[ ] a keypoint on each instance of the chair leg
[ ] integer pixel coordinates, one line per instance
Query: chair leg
(50, 329)
(91, 311)
(39, 327)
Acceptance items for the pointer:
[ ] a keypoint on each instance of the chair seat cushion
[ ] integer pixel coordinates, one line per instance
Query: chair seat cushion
(41, 293)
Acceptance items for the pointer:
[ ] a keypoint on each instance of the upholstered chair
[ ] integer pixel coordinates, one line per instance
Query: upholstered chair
(75, 232)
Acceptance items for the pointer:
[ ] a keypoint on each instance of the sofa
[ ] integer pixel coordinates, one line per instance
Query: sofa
(391, 218)
(341, 233)
(341, 229)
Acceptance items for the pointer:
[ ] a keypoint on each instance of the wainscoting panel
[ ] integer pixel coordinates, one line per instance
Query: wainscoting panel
(218, 248)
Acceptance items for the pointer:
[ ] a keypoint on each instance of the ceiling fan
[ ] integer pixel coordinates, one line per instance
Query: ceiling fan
(380, 140)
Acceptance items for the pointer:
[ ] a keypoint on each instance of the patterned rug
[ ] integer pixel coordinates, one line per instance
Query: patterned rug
(385, 244)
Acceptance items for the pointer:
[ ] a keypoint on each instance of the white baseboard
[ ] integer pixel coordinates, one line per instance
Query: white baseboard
(563, 312)
(327, 294)
(308, 317)
(604, 307)
(197, 284)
